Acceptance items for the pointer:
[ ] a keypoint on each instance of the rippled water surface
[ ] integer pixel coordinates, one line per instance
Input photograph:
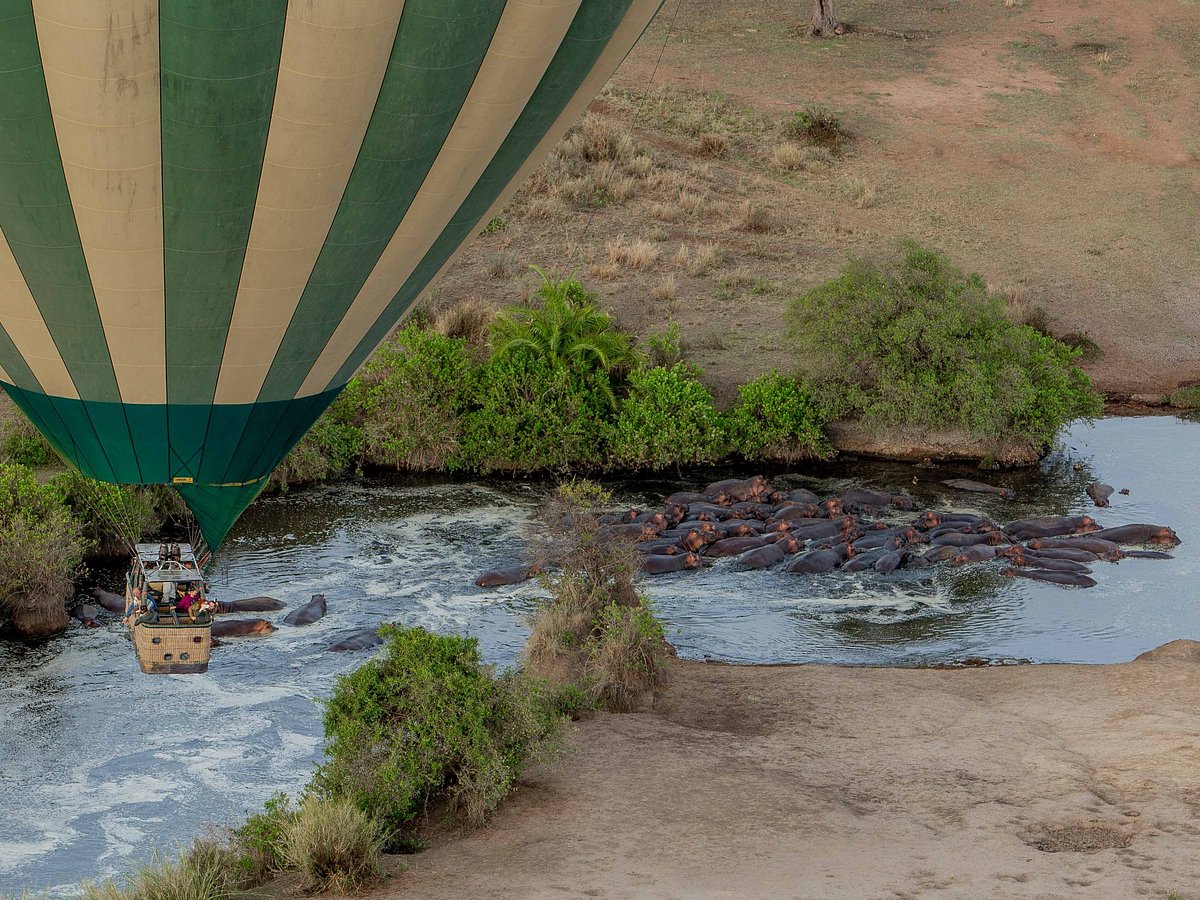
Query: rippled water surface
(99, 765)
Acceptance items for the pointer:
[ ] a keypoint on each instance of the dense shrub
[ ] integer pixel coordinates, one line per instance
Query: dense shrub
(41, 548)
(20, 441)
(333, 844)
(776, 418)
(529, 414)
(333, 445)
(594, 638)
(667, 418)
(918, 343)
(427, 721)
(411, 395)
(1186, 398)
(259, 841)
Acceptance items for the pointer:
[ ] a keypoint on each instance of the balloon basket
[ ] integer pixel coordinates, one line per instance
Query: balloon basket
(167, 648)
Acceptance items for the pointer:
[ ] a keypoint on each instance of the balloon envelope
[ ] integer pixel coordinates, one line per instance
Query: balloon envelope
(211, 212)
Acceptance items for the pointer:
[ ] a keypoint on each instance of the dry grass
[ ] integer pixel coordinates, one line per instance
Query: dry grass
(640, 166)
(755, 219)
(704, 258)
(466, 319)
(789, 157)
(714, 145)
(691, 202)
(597, 139)
(1104, 57)
(333, 845)
(638, 254)
(501, 265)
(666, 289)
(1021, 309)
(603, 271)
(664, 212)
(861, 191)
(545, 209)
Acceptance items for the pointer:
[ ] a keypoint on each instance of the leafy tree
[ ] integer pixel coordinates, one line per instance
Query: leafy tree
(776, 418)
(668, 418)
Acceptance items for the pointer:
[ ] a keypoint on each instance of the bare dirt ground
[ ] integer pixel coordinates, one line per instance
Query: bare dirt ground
(823, 782)
(1051, 145)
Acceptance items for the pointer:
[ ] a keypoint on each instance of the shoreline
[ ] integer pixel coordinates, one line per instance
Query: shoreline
(818, 781)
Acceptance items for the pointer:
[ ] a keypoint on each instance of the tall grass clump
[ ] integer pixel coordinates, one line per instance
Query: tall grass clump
(427, 724)
(816, 124)
(594, 637)
(776, 418)
(334, 845)
(916, 343)
(41, 549)
(208, 870)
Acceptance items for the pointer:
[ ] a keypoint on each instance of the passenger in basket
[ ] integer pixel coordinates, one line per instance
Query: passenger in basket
(186, 603)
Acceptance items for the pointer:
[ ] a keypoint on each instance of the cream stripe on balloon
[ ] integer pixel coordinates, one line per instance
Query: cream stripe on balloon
(640, 14)
(24, 323)
(527, 37)
(101, 60)
(335, 55)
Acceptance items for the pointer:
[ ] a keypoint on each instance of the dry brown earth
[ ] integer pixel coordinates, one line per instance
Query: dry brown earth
(1052, 145)
(821, 782)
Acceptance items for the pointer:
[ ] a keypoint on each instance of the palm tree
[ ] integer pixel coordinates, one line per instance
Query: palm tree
(568, 330)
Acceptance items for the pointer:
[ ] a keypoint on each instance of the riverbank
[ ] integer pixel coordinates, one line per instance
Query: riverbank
(827, 782)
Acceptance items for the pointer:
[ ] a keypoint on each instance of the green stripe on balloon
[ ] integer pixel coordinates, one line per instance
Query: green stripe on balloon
(36, 213)
(220, 63)
(585, 41)
(436, 56)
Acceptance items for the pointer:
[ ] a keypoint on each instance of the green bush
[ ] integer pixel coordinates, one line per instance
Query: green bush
(776, 418)
(259, 841)
(529, 414)
(917, 343)
(816, 124)
(427, 721)
(1186, 398)
(668, 418)
(624, 655)
(333, 445)
(20, 441)
(411, 395)
(333, 844)
(41, 548)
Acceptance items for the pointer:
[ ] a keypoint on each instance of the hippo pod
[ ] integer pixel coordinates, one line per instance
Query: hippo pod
(978, 487)
(252, 604)
(659, 564)
(223, 628)
(506, 575)
(1070, 579)
(310, 612)
(365, 639)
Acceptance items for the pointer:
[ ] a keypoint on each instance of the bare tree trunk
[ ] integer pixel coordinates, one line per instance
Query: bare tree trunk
(824, 22)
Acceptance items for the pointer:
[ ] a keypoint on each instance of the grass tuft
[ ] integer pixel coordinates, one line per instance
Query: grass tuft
(334, 846)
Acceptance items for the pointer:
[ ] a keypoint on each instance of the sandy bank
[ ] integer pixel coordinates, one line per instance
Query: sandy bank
(826, 782)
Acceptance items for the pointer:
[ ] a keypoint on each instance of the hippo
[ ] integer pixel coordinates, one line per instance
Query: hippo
(778, 525)
(761, 558)
(655, 520)
(735, 546)
(802, 495)
(241, 627)
(110, 601)
(789, 545)
(831, 528)
(832, 507)
(628, 532)
(251, 604)
(1148, 554)
(308, 613)
(941, 553)
(860, 562)
(1102, 548)
(802, 513)
(357, 640)
(870, 500)
(738, 528)
(708, 512)
(892, 561)
(662, 565)
(1075, 555)
(1050, 526)
(977, 553)
(814, 562)
(1070, 579)
(978, 487)
(958, 539)
(1031, 560)
(1100, 492)
(878, 540)
(932, 518)
(734, 490)
(503, 576)
(675, 513)
(750, 510)
(687, 498)
(697, 539)
(1139, 534)
(662, 546)
(87, 614)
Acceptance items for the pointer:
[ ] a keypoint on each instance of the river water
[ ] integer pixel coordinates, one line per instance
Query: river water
(100, 765)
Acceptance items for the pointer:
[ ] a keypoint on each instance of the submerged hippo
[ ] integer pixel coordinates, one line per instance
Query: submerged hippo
(978, 487)
(505, 575)
(1100, 492)
(110, 601)
(1148, 554)
(862, 561)
(1070, 579)
(252, 604)
(223, 628)
(958, 539)
(310, 612)
(1032, 560)
(940, 553)
(357, 640)
(87, 614)
(1139, 534)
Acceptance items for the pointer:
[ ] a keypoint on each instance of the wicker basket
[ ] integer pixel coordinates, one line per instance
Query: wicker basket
(164, 648)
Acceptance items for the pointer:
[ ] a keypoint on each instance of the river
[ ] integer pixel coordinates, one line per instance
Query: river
(100, 765)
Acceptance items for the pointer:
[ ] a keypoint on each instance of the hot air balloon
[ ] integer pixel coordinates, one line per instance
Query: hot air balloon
(212, 211)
